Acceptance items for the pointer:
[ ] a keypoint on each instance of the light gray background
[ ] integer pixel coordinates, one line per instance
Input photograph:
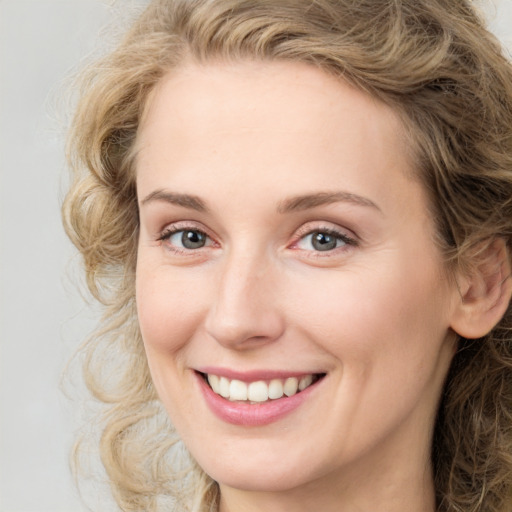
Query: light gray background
(42, 317)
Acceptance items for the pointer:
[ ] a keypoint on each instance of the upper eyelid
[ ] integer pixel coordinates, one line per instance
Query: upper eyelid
(334, 233)
(183, 225)
(168, 232)
(321, 226)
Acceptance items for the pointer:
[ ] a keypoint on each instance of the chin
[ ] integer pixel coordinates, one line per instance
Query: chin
(277, 473)
(261, 480)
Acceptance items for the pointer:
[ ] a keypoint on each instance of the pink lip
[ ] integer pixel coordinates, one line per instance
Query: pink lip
(252, 415)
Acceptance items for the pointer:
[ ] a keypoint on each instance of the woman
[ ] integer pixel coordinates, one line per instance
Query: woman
(298, 217)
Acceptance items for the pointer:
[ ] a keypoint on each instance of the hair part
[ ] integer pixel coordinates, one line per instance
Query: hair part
(437, 66)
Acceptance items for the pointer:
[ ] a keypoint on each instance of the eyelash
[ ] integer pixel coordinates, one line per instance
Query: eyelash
(306, 231)
(168, 232)
(300, 236)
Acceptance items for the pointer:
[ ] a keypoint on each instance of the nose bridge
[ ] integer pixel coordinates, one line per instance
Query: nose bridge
(242, 271)
(244, 310)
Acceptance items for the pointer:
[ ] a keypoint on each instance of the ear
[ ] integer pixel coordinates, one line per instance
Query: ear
(484, 295)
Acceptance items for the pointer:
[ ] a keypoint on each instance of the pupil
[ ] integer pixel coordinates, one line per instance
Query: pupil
(193, 239)
(324, 242)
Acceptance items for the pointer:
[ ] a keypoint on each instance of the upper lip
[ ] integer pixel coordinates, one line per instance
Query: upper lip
(254, 375)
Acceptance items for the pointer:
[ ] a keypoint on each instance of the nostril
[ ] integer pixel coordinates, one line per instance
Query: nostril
(248, 330)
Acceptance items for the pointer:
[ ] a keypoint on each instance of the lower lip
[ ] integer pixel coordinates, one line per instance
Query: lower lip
(252, 415)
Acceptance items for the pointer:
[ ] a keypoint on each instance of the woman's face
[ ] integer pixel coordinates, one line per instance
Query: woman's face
(285, 248)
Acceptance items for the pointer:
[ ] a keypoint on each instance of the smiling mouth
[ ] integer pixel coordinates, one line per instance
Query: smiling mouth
(259, 391)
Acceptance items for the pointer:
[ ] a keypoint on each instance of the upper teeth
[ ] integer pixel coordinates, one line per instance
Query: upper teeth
(258, 391)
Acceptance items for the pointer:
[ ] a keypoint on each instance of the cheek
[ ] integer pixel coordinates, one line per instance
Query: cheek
(389, 341)
(393, 318)
(169, 310)
(169, 305)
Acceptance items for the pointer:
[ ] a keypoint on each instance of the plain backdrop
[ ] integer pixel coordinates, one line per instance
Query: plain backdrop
(42, 315)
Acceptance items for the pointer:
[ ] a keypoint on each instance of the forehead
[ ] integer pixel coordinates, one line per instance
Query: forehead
(287, 121)
(260, 95)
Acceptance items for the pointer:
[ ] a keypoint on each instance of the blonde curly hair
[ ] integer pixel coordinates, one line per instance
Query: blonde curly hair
(436, 65)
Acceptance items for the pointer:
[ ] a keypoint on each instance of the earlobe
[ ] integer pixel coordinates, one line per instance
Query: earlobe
(484, 295)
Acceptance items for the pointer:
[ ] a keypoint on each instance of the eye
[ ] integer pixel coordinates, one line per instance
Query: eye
(189, 239)
(323, 241)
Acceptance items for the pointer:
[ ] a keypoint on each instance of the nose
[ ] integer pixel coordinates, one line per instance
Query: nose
(244, 312)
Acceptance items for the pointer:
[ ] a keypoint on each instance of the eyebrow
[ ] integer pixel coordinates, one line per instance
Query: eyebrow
(185, 200)
(296, 203)
(305, 202)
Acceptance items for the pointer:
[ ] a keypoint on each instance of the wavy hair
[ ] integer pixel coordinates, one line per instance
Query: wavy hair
(433, 62)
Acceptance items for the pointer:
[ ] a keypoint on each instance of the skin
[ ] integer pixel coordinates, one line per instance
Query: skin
(374, 314)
